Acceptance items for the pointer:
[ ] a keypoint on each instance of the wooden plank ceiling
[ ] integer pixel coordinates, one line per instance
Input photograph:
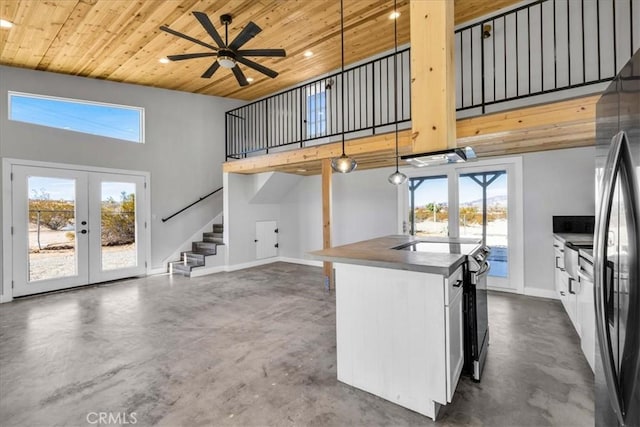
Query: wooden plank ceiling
(121, 40)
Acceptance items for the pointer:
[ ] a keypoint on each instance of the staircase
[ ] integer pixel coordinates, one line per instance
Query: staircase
(201, 257)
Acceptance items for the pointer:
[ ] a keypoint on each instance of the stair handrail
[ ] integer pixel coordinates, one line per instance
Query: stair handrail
(192, 204)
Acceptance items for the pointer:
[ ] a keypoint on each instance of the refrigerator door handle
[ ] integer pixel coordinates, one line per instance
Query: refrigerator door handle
(611, 170)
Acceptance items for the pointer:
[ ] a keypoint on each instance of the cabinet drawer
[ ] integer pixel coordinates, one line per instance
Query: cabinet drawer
(453, 286)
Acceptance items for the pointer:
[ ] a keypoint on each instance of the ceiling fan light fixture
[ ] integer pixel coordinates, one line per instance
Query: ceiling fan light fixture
(5, 24)
(394, 15)
(226, 61)
(164, 60)
(249, 79)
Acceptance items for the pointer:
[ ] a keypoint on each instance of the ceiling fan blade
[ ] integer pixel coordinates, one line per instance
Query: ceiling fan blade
(190, 56)
(262, 52)
(214, 67)
(206, 23)
(248, 32)
(242, 80)
(186, 37)
(261, 68)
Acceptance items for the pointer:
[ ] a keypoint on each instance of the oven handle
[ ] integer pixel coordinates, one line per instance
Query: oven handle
(583, 277)
(484, 270)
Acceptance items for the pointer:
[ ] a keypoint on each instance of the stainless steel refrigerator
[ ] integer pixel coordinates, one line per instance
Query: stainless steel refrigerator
(616, 251)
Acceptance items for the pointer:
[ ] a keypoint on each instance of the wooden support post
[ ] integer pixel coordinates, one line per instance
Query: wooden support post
(433, 92)
(327, 267)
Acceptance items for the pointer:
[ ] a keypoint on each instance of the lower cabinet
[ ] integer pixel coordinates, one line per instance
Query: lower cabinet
(455, 343)
(576, 296)
(399, 334)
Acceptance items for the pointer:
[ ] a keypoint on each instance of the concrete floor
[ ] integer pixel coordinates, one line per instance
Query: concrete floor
(257, 347)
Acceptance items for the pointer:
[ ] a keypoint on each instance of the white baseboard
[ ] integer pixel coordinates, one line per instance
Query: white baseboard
(301, 261)
(507, 290)
(158, 270)
(203, 271)
(250, 264)
(5, 298)
(541, 293)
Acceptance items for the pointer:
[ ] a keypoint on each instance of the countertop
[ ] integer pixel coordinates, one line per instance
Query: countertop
(586, 254)
(574, 237)
(379, 253)
(578, 238)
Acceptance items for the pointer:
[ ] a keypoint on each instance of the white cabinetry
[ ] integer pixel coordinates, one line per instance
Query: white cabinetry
(454, 331)
(399, 334)
(586, 313)
(576, 296)
(565, 286)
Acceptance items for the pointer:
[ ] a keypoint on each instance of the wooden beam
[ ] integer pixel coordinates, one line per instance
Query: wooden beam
(355, 147)
(432, 75)
(556, 114)
(327, 267)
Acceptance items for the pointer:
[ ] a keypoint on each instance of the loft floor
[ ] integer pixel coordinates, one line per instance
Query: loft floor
(257, 347)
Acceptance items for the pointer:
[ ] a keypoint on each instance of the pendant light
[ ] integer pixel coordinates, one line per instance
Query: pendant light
(344, 163)
(397, 177)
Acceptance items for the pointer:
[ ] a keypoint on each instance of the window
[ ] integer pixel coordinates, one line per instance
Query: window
(316, 111)
(95, 118)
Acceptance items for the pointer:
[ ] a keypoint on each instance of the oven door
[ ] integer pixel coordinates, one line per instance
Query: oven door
(480, 341)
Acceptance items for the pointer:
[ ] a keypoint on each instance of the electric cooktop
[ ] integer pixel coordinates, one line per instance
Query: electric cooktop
(438, 247)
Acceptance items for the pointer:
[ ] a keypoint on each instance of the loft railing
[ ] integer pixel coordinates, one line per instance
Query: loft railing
(312, 113)
(206, 196)
(543, 47)
(539, 49)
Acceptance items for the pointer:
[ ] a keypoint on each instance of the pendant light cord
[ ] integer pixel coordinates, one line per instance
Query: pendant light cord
(395, 77)
(342, 66)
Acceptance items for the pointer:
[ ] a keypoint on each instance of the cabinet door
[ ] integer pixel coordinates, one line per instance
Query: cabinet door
(587, 318)
(455, 343)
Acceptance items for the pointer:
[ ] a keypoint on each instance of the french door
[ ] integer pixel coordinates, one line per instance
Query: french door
(75, 227)
(471, 201)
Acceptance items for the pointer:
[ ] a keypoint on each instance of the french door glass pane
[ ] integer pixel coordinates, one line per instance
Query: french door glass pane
(480, 194)
(52, 217)
(118, 225)
(429, 211)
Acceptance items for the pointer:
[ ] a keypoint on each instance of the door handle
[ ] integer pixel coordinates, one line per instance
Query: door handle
(83, 223)
(618, 153)
(83, 231)
(557, 266)
(457, 284)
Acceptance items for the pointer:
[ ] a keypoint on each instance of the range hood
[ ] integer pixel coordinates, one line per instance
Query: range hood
(452, 155)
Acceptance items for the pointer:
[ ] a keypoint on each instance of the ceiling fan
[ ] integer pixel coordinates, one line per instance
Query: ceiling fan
(228, 54)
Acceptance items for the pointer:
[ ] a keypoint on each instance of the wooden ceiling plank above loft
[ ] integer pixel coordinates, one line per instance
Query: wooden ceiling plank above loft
(121, 40)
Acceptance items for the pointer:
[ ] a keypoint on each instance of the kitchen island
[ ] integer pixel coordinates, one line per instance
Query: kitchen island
(399, 318)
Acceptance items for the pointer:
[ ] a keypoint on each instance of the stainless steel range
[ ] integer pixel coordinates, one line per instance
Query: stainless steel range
(476, 316)
(476, 313)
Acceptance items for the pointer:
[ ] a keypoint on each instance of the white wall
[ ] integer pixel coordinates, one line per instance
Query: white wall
(183, 152)
(240, 216)
(363, 208)
(560, 182)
